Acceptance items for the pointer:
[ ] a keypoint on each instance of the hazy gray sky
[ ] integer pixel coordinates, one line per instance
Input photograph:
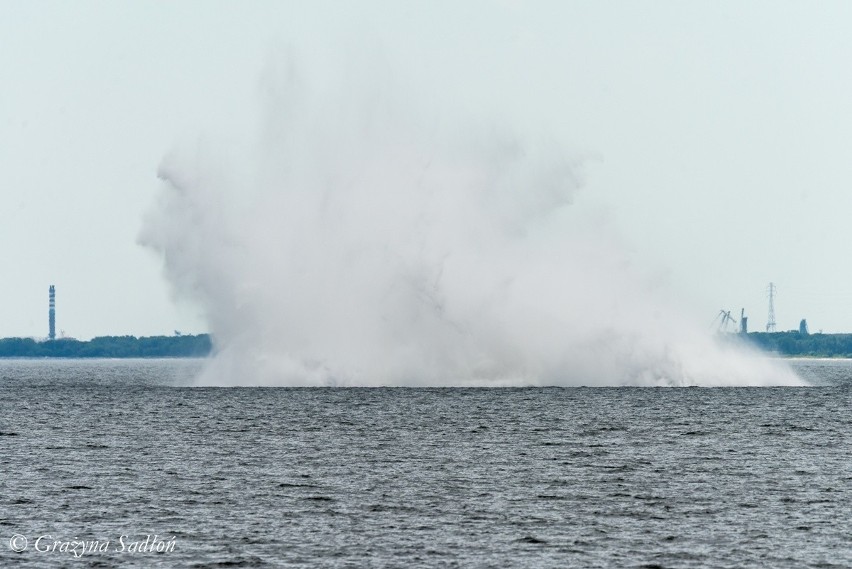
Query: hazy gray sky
(718, 134)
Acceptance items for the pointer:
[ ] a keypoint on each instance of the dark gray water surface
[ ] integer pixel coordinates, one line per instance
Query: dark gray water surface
(403, 477)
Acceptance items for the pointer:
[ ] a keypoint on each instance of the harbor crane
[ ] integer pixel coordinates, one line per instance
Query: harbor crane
(724, 320)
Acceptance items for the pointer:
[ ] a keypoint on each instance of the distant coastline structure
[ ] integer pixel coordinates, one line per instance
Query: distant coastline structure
(770, 321)
(51, 314)
(743, 322)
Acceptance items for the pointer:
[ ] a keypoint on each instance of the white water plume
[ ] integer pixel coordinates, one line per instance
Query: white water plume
(359, 240)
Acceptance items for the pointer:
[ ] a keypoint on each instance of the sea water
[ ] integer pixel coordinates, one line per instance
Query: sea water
(122, 462)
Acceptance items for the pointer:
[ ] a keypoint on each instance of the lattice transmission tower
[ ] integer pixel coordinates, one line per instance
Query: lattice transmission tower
(770, 322)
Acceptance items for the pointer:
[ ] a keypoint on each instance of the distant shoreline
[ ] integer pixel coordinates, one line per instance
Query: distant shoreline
(781, 344)
(112, 347)
(794, 344)
(813, 357)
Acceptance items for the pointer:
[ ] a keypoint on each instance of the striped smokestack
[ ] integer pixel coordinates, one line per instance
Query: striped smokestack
(51, 315)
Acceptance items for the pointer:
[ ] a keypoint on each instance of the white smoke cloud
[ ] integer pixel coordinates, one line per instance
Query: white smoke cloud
(352, 237)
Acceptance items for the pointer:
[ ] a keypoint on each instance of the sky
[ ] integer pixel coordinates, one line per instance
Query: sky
(715, 135)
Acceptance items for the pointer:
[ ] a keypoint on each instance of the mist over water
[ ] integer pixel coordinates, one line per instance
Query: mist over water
(351, 234)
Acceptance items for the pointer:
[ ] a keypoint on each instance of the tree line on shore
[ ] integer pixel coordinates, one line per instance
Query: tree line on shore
(795, 343)
(109, 347)
(791, 343)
